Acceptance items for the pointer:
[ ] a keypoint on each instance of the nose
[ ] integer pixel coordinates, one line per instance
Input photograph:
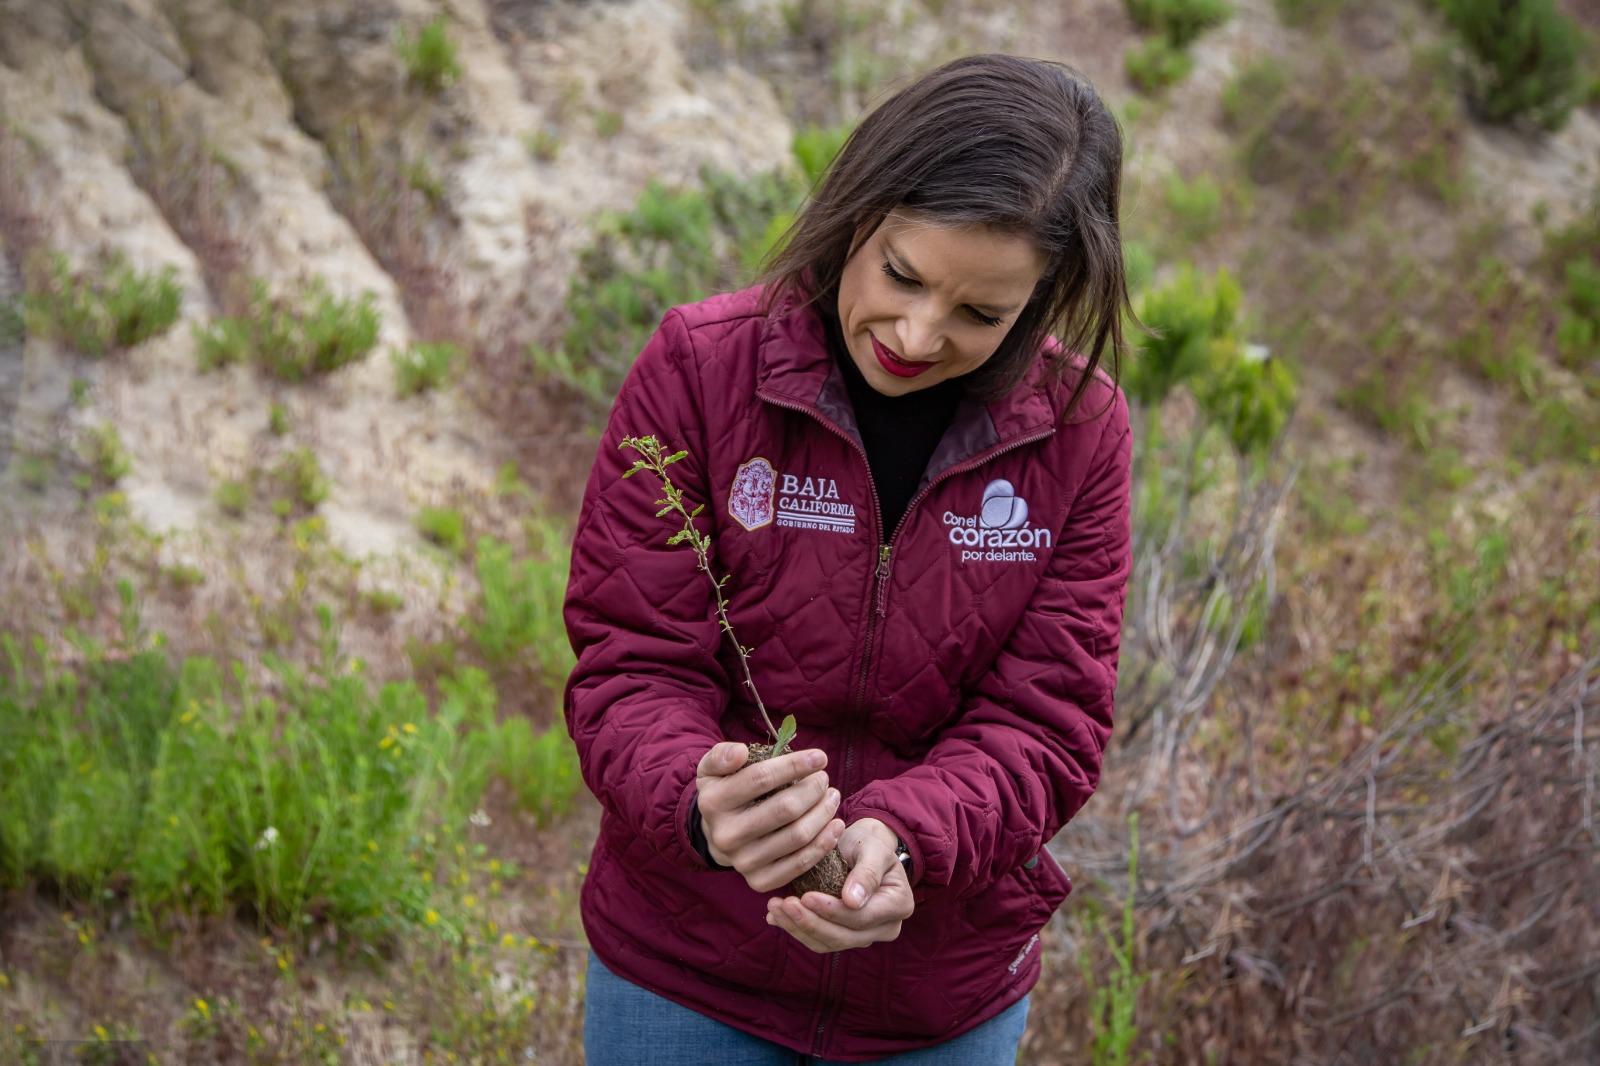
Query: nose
(919, 337)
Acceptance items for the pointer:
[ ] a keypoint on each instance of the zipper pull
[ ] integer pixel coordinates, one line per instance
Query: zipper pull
(883, 576)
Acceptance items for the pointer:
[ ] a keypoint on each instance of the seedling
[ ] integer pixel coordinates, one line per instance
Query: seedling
(829, 874)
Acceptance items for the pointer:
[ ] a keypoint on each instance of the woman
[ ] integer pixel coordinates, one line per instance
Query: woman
(921, 500)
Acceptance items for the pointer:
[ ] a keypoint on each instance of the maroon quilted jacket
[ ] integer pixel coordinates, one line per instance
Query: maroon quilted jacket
(959, 671)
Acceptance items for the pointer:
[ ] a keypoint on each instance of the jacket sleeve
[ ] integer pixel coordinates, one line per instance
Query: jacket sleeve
(1023, 756)
(644, 700)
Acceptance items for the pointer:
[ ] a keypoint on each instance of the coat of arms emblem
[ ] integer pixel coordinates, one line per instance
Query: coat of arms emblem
(750, 497)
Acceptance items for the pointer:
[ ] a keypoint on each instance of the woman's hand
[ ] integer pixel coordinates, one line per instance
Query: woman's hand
(823, 923)
(783, 836)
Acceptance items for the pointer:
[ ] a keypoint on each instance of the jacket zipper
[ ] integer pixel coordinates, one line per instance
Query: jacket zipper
(829, 991)
(878, 593)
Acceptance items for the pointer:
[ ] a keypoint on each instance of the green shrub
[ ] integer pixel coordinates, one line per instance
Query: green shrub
(33, 471)
(1194, 319)
(221, 342)
(673, 247)
(1527, 59)
(1195, 206)
(293, 338)
(607, 123)
(103, 451)
(1178, 21)
(1250, 98)
(233, 497)
(190, 792)
(443, 526)
(520, 603)
(96, 317)
(1138, 263)
(424, 366)
(277, 419)
(1578, 330)
(297, 483)
(1248, 394)
(541, 769)
(429, 57)
(1155, 64)
(1113, 1002)
(815, 148)
(1559, 428)
(384, 601)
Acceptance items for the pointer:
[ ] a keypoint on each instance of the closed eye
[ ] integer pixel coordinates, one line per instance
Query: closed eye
(901, 279)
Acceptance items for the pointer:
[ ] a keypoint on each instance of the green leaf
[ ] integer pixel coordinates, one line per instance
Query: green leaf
(697, 510)
(786, 732)
(674, 457)
(630, 473)
(664, 510)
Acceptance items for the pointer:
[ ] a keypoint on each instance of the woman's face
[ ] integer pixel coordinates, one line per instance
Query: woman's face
(953, 296)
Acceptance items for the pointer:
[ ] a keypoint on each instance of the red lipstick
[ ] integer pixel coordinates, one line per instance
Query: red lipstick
(894, 364)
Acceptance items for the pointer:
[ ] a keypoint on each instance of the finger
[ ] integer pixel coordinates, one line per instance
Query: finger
(770, 774)
(749, 827)
(792, 866)
(880, 918)
(721, 760)
(813, 925)
(795, 836)
(782, 921)
(784, 808)
(867, 869)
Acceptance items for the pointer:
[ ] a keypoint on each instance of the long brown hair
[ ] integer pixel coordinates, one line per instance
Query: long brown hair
(1022, 145)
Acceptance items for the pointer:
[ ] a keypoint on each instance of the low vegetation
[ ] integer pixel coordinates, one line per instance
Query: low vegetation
(109, 307)
(292, 338)
(429, 56)
(1524, 59)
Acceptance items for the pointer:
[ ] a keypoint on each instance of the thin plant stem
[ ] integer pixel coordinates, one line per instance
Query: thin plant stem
(656, 463)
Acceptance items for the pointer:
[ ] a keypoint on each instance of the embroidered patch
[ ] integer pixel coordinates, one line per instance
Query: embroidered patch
(1000, 524)
(750, 496)
(814, 503)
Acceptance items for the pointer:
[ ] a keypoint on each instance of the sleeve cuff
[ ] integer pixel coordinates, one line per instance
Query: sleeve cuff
(697, 836)
(901, 831)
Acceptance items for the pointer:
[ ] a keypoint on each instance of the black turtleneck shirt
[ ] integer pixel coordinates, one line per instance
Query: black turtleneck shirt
(900, 434)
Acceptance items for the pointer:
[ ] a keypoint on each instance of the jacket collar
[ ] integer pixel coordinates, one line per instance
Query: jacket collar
(794, 365)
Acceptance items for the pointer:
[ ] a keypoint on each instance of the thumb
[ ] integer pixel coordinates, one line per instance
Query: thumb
(723, 759)
(864, 876)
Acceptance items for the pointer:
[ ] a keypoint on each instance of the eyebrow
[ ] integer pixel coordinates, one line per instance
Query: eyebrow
(990, 309)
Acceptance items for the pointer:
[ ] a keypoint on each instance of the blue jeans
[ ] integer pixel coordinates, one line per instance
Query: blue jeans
(624, 1024)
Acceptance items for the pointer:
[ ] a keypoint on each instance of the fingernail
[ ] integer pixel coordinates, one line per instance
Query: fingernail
(858, 895)
(833, 795)
(815, 759)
